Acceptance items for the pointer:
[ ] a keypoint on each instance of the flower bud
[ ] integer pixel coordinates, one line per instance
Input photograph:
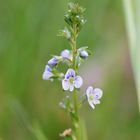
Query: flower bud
(66, 54)
(53, 61)
(84, 54)
(47, 74)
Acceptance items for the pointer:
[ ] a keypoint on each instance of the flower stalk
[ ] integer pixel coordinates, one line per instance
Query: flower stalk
(70, 80)
(75, 99)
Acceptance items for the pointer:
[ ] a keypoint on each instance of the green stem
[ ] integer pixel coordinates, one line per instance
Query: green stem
(75, 101)
(74, 46)
(75, 120)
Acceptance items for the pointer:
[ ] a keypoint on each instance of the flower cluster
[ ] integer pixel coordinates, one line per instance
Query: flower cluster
(65, 57)
(75, 14)
(73, 57)
(70, 79)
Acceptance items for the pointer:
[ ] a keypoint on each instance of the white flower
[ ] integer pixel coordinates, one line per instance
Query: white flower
(93, 96)
(47, 74)
(71, 80)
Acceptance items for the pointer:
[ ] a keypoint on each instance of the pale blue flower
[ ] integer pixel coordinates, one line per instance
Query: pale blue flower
(53, 61)
(47, 74)
(66, 54)
(84, 54)
(93, 96)
(71, 81)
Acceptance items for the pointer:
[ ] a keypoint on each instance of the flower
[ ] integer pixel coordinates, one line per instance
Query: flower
(66, 54)
(71, 80)
(47, 74)
(83, 54)
(53, 61)
(93, 96)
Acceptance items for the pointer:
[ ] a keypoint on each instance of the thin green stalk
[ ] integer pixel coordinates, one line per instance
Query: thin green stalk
(74, 49)
(75, 100)
(76, 120)
(74, 46)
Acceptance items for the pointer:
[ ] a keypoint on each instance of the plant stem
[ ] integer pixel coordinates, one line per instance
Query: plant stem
(74, 47)
(75, 101)
(76, 122)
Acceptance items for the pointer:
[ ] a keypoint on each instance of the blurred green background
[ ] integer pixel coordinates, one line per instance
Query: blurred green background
(29, 106)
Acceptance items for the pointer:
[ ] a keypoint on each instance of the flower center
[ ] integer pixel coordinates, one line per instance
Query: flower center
(91, 98)
(71, 80)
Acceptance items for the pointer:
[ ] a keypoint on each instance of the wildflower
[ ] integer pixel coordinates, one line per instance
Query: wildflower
(93, 96)
(66, 54)
(47, 74)
(71, 80)
(53, 61)
(83, 54)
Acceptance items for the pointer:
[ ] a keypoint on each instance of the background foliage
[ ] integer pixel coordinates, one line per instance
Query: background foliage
(29, 106)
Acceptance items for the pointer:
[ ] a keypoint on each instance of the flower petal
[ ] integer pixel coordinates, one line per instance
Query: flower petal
(71, 87)
(89, 91)
(78, 81)
(97, 93)
(91, 104)
(84, 54)
(96, 102)
(48, 68)
(53, 61)
(70, 73)
(65, 54)
(65, 84)
(47, 75)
